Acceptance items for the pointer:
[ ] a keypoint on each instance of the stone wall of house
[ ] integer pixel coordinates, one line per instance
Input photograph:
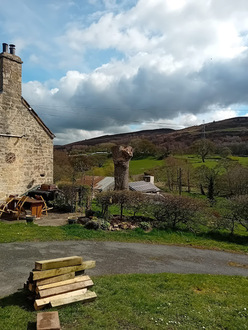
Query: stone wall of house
(26, 148)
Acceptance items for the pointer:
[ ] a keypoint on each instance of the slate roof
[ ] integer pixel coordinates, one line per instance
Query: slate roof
(143, 186)
(90, 180)
(100, 183)
(106, 184)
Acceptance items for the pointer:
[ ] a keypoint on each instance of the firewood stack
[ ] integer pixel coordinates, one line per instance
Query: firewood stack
(57, 282)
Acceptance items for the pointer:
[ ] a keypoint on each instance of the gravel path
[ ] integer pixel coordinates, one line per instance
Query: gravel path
(17, 259)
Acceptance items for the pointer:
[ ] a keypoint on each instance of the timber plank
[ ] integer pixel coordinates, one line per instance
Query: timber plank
(65, 288)
(58, 263)
(48, 321)
(43, 302)
(56, 279)
(88, 296)
(70, 281)
(41, 274)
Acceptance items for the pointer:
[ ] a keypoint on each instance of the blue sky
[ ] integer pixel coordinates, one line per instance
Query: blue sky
(99, 67)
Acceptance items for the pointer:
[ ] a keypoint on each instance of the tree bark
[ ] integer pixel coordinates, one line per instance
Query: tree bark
(121, 158)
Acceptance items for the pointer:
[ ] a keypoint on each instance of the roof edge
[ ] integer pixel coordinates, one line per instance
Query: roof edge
(38, 119)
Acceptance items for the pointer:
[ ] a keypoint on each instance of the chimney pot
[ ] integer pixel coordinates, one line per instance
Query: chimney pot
(5, 48)
(12, 49)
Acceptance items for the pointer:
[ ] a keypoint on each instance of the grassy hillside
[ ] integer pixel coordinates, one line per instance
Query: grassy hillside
(217, 131)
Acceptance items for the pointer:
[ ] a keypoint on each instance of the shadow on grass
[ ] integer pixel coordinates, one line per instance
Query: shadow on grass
(31, 326)
(215, 235)
(225, 237)
(20, 299)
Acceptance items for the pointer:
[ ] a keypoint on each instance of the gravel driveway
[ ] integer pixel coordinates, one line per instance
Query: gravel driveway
(17, 259)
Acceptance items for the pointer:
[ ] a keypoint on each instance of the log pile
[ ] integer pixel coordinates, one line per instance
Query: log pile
(57, 282)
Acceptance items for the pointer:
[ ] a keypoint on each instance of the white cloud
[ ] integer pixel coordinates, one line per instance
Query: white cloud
(72, 135)
(166, 63)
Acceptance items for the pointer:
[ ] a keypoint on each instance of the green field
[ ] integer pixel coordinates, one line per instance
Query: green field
(211, 161)
(157, 301)
(242, 160)
(136, 166)
(139, 166)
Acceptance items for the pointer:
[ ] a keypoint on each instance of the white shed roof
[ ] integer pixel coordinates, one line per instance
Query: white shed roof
(143, 186)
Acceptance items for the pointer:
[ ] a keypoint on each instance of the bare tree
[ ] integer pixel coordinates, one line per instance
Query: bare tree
(203, 148)
(121, 158)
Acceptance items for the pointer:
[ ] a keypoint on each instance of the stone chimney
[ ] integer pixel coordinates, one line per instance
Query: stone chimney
(10, 72)
(148, 178)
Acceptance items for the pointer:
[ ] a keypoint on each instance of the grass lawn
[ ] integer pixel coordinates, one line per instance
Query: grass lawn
(157, 301)
(20, 232)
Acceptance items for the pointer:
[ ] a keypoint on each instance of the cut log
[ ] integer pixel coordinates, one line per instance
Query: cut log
(31, 287)
(41, 303)
(70, 281)
(58, 263)
(56, 279)
(88, 296)
(41, 274)
(48, 321)
(65, 288)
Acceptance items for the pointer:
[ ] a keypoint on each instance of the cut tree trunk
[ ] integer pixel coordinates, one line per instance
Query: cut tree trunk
(121, 158)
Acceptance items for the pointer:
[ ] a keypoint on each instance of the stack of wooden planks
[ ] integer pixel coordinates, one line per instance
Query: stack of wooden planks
(57, 282)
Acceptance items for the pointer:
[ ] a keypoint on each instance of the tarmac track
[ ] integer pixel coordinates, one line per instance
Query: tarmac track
(17, 260)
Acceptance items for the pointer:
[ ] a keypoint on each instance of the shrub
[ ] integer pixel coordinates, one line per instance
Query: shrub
(92, 224)
(173, 210)
(105, 200)
(137, 202)
(72, 197)
(145, 225)
(104, 225)
(122, 198)
(235, 211)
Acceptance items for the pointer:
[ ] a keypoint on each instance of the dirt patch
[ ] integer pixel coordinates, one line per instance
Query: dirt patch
(236, 264)
(51, 219)
(56, 219)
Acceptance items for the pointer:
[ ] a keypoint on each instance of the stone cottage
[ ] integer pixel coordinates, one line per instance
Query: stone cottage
(26, 143)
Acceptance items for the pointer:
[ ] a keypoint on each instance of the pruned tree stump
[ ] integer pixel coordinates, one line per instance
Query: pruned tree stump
(121, 159)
